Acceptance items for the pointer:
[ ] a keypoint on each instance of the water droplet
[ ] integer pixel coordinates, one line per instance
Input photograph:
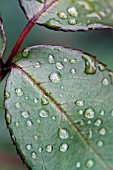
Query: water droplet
(86, 5)
(102, 131)
(90, 64)
(98, 122)
(36, 137)
(79, 103)
(29, 123)
(17, 124)
(27, 97)
(63, 133)
(55, 77)
(49, 148)
(38, 121)
(62, 87)
(54, 23)
(28, 147)
(64, 147)
(80, 112)
(36, 100)
(72, 21)
(89, 122)
(89, 113)
(111, 77)
(25, 53)
(43, 168)
(19, 92)
(65, 60)
(73, 71)
(40, 150)
(25, 114)
(78, 165)
(73, 12)
(8, 118)
(44, 100)
(18, 105)
(43, 113)
(90, 134)
(37, 65)
(33, 155)
(105, 81)
(101, 66)
(51, 59)
(112, 113)
(89, 163)
(62, 15)
(59, 65)
(102, 113)
(100, 143)
(7, 94)
(53, 117)
(72, 61)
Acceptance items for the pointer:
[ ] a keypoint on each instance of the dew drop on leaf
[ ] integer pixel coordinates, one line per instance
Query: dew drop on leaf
(25, 53)
(19, 92)
(8, 118)
(25, 114)
(105, 82)
(43, 113)
(100, 143)
(62, 15)
(29, 123)
(102, 131)
(33, 155)
(28, 147)
(89, 113)
(63, 147)
(89, 163)
(72, 11)
(72, 21)
(98, 122)
(78, 165)
(72, 61)
(59, 65)
(55, 77)
(51, 59)
(79, 103)
(63, 133)
(37, 65)
(49, 148)
(72, 71)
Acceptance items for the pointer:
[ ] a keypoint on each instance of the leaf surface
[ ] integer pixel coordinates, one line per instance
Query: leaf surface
(59, 109)
(70, 15)
(2, 39)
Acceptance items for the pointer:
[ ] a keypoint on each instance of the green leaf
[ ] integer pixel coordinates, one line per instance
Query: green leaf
(70, 15)
(59, 109)
(2, 39)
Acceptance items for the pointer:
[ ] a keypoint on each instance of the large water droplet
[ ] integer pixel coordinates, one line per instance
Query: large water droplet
(51, 59)
(33, 155)
(43, 113)
(63, 133)
(63, 147)
(90, 64)
(54, 23)
(55, 77)
(25, 114)
(102, 131)
(89, 113)
(19, 92)
(98, 122)
(62, 15)
(49, 148)
(73, 12)
(59, 65)
(89, 163)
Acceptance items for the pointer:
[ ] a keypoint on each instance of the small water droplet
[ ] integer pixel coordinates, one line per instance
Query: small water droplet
(36, 100)
(54, 23)
(17, 124)
(89, 163)
(53, 117)
(25, 53)
(29, 123)
(79, 103)
(44, 100)
(65, 60)
(55, 77)
(100, 143)
(27, 97)
(59, 65)
(72, 21)
(102, 113)
(72, 61)
(43, 113)
(98, 122)
(101, 66)
(105, 81)
(25, 114)
(19, 92)
(8, 118)
(51, 59)
(73, 12)
(33, 155)
(62, 87)
(102, 131)
(38, 121)
(49, 148)
(73, 71)
(78, 165)
(112, 113)
(43, 168)
(36, 137)
(7, 94)
(89, 113)
(18, 105)
(64, 147)
(80, 112)
(90, 64)
(89, 122)
(62, 15)
(63, 133)
(37, 65)
(111, 77)
(40, 150)
(90, 134)
(28, 147)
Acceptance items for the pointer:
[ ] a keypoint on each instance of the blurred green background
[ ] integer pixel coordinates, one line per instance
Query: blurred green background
(98, 43)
